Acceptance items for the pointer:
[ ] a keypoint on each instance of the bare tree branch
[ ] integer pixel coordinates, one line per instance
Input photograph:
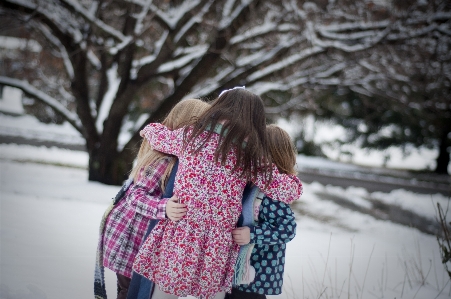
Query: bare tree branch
(31, 91)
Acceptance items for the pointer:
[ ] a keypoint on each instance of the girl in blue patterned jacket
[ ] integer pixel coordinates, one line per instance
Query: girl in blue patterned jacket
(265, 227)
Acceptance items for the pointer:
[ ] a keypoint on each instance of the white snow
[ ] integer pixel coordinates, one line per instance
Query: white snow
(14, 43)
(113, 84)
(11, 100)
(29, 127)
(52, 102)
(50, 214)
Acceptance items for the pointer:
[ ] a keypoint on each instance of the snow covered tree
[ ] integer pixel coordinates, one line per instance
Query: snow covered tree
(108, 67)
(396, 92)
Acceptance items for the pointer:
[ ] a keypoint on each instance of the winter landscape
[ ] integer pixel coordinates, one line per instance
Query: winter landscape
(362, 86)
(50, 215)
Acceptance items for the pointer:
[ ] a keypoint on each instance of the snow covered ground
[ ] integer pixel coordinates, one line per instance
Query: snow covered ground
(50, 216)
(50, 213)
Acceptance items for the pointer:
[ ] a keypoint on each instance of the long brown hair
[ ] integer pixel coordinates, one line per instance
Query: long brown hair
(242, 116)
(282, 149)
(185, 113)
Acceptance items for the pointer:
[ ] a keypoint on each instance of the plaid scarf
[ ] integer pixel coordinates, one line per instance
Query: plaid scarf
(244, 272)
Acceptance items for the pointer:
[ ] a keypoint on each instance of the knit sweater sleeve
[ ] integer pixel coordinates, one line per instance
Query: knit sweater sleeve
(276, 224)
(145, 194)
(163, 139)
(284, 187)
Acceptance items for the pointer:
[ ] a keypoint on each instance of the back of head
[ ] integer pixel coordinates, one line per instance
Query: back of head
(242, 116)
(184, 113)
(282, 149)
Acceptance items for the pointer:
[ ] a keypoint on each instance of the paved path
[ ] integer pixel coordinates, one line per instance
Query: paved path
(373, 185)
(37, 142)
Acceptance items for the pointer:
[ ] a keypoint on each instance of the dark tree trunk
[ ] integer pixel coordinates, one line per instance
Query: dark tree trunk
(443, 158)
(110, 168)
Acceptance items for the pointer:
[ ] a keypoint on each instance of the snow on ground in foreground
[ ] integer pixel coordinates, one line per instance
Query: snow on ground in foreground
(49, 227)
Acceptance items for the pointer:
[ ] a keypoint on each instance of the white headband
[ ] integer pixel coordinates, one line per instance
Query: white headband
(237, 87)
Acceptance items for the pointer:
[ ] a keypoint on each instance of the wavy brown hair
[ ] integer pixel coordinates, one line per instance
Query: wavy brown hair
(185, 113)
(282, 149)
(242, 116)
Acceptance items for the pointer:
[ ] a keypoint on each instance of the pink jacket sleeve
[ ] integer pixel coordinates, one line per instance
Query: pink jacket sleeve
(163, 139)
(284, 187)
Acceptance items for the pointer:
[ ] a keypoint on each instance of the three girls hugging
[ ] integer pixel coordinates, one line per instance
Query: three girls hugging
(211, 186)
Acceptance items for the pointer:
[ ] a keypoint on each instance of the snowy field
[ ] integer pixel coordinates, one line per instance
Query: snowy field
(50, 213)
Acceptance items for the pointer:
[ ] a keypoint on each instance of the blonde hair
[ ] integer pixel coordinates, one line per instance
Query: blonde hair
(281, 148)
(186, 112)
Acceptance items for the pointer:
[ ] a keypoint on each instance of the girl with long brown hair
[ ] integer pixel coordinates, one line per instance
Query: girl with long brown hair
(218, 155)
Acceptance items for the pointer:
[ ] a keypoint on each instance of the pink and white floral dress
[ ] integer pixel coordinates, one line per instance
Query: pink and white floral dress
(196, 255)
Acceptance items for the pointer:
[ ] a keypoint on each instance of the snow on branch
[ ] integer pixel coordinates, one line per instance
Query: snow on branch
(294, 103)
(113, 85)
(53, 16)
(362, 90)
(227, 8)
(97, 22)
(262, 56)
(365, 44)
(174, 15)
(267, 27)
(55, 41)
(211, 84)
(56, 86)
(336, 68)
(123, 44)
(148, 6)
(262, 87)
(353, 26)
(369, 66)
(348, 36)
(299, 12)
(406, 33)
(137, 64)
(94, 60)
(227, 20)
(183, 61)
(194, 20)
(33, 92)
(284, 63)
(444, 29)
(140, 17)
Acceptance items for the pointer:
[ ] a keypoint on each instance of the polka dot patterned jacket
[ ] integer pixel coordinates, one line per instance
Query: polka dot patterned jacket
(276, 227)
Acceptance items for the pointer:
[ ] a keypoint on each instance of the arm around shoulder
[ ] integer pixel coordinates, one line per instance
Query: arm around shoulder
(283, 187)
(162, 139)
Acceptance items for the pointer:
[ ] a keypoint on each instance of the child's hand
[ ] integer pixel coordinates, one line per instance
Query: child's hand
(241, 235)
(174, 210)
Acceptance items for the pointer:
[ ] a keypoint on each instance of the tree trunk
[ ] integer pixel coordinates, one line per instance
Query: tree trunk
(443, 158)
(110, 167)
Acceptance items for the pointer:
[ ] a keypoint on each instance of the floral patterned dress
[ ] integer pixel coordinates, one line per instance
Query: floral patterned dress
(196, 255)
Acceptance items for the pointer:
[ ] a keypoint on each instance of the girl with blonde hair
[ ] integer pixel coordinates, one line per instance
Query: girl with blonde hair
(127, 222)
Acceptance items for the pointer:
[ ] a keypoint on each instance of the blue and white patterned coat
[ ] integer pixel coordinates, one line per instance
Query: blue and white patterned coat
(276, 227)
